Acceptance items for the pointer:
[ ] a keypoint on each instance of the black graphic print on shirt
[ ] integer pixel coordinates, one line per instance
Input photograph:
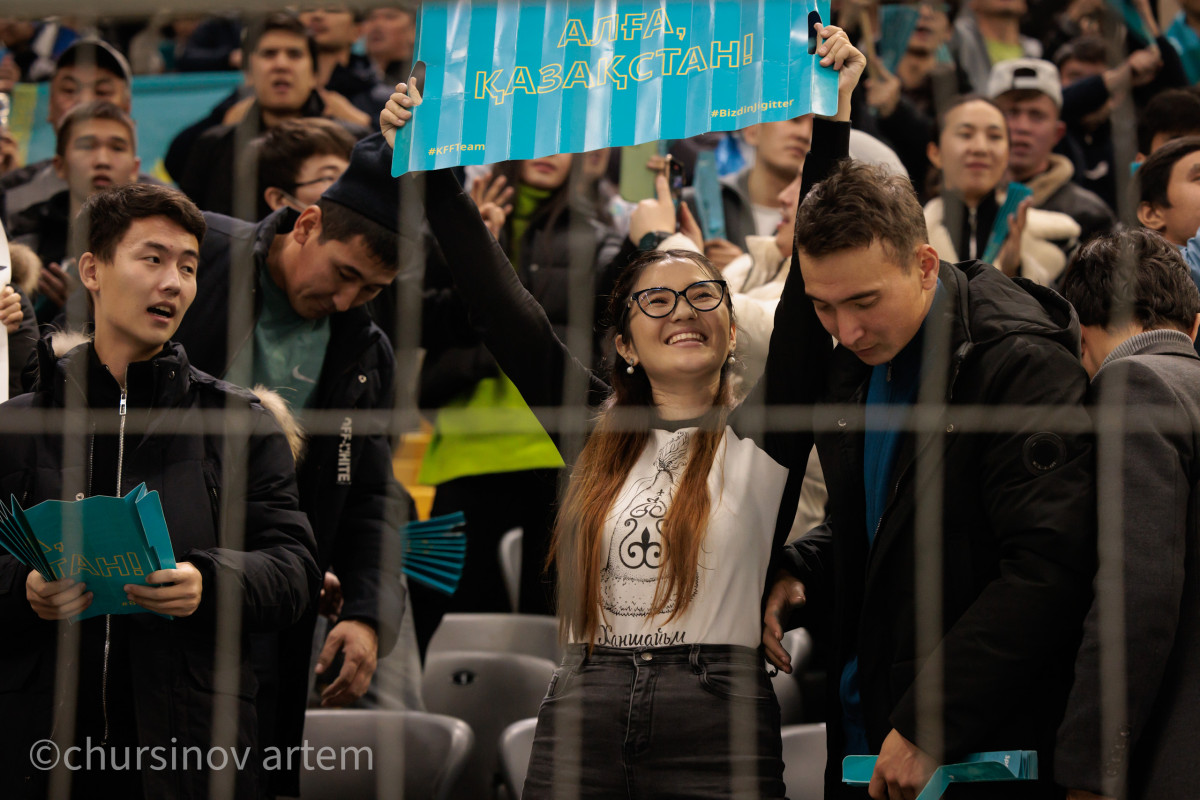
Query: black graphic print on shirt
(629, 579)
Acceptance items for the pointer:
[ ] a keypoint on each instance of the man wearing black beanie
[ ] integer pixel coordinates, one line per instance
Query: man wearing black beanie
(280, 303)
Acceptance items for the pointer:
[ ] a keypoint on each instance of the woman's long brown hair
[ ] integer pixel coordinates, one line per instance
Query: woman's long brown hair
(621, 433)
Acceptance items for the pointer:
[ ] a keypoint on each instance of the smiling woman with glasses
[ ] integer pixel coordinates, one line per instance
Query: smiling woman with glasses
(675, 513)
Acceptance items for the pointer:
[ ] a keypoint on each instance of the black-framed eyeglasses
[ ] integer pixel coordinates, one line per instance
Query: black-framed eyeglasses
(659, 301)
(314, 181)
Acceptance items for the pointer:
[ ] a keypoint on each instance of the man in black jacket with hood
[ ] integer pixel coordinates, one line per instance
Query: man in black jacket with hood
(134, 693)
(281, 303)
(955, 564)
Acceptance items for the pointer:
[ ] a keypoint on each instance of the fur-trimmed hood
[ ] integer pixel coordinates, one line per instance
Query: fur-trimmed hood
(1041, 259)
(1045, 184)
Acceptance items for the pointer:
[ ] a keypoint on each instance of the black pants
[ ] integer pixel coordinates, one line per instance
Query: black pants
(689, 721)
(493, 505)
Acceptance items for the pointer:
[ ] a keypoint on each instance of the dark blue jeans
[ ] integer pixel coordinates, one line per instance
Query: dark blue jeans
(689, 721)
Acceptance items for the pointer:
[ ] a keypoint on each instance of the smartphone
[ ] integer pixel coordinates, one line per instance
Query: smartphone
(710, 211)
(637, 182)
(673, 172)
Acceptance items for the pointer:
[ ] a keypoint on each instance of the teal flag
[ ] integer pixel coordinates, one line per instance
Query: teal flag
(1017, 192)
(896, 26)
(519, 79)
(105, 542)
(1007, 765)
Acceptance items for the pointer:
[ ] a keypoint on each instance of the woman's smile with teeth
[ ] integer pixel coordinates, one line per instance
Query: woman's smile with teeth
(686, 336)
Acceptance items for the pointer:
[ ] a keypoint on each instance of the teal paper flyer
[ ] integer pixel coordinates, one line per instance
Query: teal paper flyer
(1005, 765)
(519, 79)
(105, 542)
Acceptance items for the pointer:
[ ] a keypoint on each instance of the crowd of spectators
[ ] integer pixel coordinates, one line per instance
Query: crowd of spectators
(1092, 121)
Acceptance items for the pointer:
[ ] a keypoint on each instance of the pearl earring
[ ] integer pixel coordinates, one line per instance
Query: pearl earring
(629, 369)
(732, 358)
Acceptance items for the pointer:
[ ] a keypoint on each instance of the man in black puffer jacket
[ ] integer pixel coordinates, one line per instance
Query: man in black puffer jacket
(281, 303)
(146, 686)
(955, 565)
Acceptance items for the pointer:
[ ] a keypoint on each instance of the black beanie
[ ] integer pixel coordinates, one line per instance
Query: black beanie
(367, 186)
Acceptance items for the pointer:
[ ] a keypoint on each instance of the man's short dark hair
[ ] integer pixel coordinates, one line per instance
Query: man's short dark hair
(275, 21)
(856, 205)
(1154, 176)
(1134, 275)
(109, 214)
(1086, 49)
(342, 224)
(284, 148)
(96, 109)
(1171, 113)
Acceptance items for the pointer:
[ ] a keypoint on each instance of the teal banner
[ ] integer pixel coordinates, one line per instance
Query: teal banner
(518, 79)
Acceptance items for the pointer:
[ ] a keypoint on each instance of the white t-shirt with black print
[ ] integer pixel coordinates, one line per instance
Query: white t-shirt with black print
(746, 486)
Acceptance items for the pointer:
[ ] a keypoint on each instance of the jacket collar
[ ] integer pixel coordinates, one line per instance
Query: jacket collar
(1160, 341)
(163, 381)
(1045, 184)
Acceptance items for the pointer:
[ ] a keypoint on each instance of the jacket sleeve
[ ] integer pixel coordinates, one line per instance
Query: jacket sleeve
(512, 323)
(1152, 526)
(275, 568)
(366, 555)
(1020, 629)
(798, 355)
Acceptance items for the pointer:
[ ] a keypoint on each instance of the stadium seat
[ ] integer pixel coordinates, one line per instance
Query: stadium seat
(411, 754)
(531, 634)
(515, 745)
(510, 566)
(490, 691)
(804, 761)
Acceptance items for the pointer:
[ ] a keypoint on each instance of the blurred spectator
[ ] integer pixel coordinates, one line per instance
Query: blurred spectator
(36, 46)
(1184, 35)
(10, 151)
(603, 192)
(986, 33)
(905, 103)
(1169, 192)
(1055, 26)
(1170, 115)
(750, 197)
(155, 48)
(96, 149)
(298, 160)
(10, 73)
(1088, 142)
(972, 153)
(215, 44)
(335, 28)
(1029, 92)
(90, 69)
(279, 56)
(391, 37)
